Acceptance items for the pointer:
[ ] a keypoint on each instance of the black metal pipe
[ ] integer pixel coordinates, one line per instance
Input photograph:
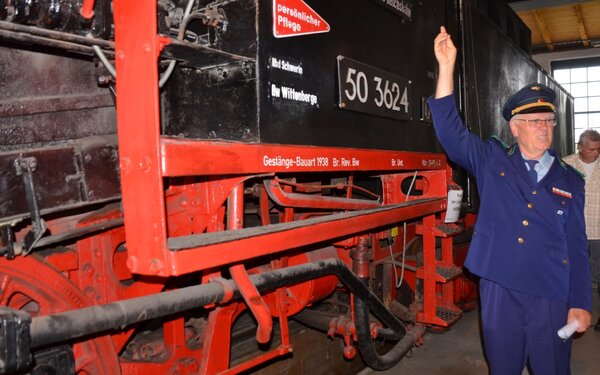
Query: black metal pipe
(47, 42)
(57, 35)
(291, 275)
(9, 251)
(365, 343)
(78, 232)
(360, 265)
(320, 320)
(56, 328)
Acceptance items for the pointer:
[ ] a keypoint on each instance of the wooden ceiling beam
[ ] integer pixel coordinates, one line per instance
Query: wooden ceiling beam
(539, 19)
(582, 31)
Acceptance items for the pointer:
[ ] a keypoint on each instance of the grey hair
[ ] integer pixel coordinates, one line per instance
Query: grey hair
(589, 135)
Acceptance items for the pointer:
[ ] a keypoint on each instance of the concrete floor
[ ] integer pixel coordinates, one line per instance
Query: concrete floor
(459, 351)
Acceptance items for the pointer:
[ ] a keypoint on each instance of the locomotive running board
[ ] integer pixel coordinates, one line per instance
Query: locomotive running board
(196, 252)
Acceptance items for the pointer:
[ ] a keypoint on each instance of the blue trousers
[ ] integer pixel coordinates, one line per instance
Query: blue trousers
(519, 328)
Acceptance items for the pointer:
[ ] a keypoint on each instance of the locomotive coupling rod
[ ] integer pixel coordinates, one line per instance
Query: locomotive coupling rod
(57, 328)
(46, 34)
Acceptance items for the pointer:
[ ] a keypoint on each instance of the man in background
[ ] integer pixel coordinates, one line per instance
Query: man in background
(586, 160)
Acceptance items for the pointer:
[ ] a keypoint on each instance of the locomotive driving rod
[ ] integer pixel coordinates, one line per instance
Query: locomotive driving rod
(57, 328)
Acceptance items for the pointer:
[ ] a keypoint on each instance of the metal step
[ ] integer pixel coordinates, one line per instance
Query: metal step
(448, 272)
(448, 230)
(447, 315)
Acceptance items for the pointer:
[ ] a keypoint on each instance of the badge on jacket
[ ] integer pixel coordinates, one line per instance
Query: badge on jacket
(562, 193)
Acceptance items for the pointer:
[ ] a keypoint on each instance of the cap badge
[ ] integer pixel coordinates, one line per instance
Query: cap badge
(536, 88)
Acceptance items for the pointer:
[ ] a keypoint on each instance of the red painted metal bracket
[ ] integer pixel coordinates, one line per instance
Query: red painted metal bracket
(87, 9)
(257, 305)
(138, 126)
(193, 157)
(285, 199)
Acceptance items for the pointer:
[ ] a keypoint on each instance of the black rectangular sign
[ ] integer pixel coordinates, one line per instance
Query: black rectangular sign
(364, 88)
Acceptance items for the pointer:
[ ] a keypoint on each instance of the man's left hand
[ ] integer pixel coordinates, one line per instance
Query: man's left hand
(584, 318)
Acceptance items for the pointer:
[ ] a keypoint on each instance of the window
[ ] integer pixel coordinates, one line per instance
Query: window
(581, 78)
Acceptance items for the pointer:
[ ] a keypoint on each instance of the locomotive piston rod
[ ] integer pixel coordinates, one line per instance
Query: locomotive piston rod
(58, 328)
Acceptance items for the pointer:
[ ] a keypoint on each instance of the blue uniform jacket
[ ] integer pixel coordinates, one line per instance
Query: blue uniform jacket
(529, 238)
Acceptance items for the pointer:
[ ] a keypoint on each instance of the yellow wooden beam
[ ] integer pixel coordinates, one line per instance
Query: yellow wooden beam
(582, 31)
(543, 29)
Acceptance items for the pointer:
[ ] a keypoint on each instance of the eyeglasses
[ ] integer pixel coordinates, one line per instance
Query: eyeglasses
(537, 122)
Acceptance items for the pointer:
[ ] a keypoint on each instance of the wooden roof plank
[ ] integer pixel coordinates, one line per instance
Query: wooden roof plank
(581, 26)
(542, 26)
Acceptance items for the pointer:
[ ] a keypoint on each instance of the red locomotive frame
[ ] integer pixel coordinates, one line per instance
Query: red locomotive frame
(147, 158)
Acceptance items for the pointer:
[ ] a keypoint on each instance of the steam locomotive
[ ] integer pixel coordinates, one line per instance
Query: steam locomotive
(186, 185)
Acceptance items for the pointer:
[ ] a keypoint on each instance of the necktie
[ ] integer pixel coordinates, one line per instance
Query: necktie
(532, 172)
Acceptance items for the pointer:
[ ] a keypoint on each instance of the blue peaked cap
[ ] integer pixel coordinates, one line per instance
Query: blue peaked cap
(532, 98)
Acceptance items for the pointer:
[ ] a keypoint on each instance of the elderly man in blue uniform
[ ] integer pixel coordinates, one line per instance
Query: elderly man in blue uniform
(529, 246)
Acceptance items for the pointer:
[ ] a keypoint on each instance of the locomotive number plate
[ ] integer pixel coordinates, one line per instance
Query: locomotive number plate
(364, 88)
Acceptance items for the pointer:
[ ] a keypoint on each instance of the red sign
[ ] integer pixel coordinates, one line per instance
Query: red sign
(295, 17)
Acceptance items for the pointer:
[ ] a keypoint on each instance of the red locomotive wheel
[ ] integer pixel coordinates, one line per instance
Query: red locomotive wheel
(32, 285)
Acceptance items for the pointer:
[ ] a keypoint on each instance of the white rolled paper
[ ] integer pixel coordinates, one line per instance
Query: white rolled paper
(566, 331)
